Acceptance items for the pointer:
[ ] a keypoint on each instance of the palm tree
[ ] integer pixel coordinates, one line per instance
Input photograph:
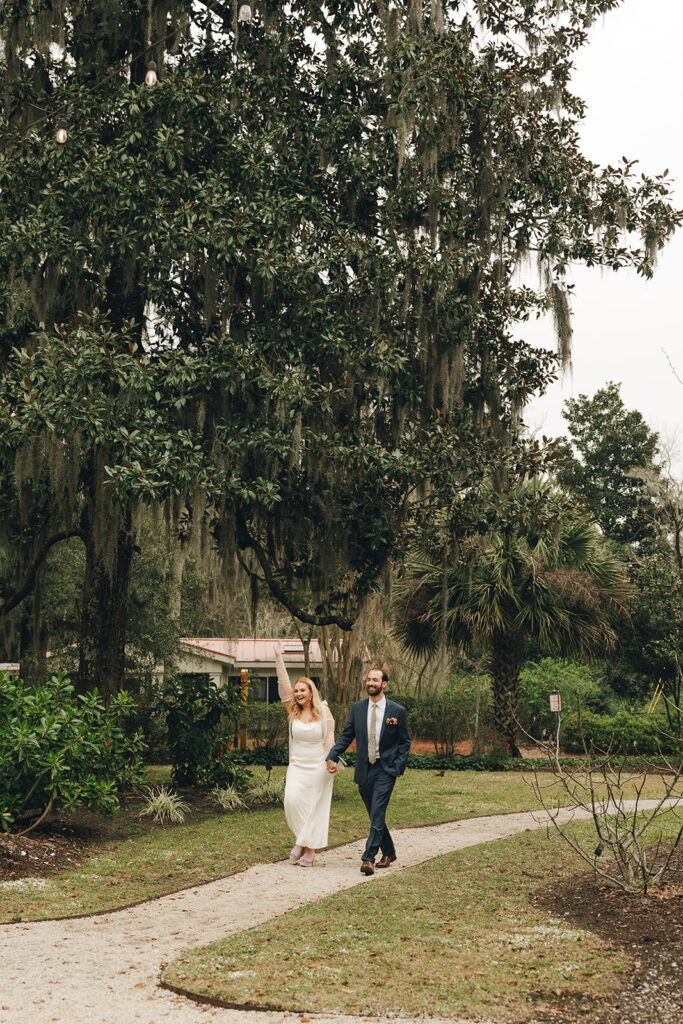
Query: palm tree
(549, 578)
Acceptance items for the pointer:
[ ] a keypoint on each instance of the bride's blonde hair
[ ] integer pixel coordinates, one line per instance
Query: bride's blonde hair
(294, 710)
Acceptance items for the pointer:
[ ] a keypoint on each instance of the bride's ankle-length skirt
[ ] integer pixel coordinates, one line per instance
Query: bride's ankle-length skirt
(308, 786)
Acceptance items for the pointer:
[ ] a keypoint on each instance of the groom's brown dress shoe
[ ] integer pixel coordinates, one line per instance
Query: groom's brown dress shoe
(367, 867)
(386, 861)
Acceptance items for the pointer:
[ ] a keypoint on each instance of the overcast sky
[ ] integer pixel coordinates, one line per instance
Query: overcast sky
(630, 76)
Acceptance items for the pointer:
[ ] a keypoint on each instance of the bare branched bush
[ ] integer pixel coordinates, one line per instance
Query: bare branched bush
(637, 813)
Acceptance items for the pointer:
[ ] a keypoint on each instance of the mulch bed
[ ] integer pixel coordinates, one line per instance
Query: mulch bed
(649, 928)
(66, 840)
(37, 856)
(50, 849)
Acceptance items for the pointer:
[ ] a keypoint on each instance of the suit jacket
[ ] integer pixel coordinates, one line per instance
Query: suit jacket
(394, 740)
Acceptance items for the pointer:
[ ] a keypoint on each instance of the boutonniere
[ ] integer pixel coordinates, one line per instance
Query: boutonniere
(392, 721)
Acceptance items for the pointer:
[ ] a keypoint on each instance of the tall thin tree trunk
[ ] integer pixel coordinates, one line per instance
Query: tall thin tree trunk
(105, 603)
(305, 643)
(177, 568)
(9, 636)
(507, 652)
(33, 635)
(342, 663)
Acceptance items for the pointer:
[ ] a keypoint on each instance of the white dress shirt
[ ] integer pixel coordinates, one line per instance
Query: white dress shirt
(381, 706)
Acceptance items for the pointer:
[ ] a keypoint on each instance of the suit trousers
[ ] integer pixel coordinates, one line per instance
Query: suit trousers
(375, 793)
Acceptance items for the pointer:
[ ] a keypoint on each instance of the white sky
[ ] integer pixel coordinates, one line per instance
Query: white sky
(630, 76)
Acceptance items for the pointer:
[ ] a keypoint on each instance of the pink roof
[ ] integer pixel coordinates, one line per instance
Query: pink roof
(247, 651)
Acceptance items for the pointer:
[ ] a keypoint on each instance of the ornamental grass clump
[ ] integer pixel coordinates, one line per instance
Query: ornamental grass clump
(268, 792)
(229, 798)
(164, 805)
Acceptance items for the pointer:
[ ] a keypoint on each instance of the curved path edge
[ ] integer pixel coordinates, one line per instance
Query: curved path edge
(105, 969)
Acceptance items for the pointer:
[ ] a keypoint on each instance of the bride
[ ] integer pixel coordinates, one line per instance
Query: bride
(308, 785)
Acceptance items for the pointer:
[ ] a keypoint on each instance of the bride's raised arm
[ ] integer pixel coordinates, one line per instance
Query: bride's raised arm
(284, 687)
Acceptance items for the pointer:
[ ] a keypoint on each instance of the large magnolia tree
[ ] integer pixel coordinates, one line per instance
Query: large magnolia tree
(274, 290)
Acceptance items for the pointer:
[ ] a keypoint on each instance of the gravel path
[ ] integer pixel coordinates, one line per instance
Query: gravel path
(105, 970)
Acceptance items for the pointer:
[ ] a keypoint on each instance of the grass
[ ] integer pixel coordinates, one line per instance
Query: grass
(455, 936)
(133, 859)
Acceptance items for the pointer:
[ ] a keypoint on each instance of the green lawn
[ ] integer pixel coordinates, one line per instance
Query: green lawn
(135, 860)
(455, 936)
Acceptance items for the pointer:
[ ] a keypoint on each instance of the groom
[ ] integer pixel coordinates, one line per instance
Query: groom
(380, 729)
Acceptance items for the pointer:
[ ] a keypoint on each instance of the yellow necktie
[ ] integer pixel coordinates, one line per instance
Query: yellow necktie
(372, 738)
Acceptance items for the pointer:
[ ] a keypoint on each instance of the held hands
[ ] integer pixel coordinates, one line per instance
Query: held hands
(332, 767)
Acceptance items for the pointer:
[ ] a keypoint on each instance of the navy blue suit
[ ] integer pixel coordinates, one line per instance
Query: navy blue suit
(376, 781)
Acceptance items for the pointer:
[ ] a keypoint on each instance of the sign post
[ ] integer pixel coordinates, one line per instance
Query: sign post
(556, 708)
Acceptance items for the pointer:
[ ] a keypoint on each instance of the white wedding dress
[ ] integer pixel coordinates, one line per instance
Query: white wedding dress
(308, 784)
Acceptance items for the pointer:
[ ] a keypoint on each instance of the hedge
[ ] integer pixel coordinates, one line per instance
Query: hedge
(623, 733)
(453, 762)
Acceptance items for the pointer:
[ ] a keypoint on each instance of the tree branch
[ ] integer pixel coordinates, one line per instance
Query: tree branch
(25, 589)
(315, 618)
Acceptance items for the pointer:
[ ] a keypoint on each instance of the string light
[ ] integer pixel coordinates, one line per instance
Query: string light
(61, 134)
(151, 76)
(244, 14)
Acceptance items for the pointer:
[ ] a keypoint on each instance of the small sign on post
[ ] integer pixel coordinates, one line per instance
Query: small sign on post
(556, 708)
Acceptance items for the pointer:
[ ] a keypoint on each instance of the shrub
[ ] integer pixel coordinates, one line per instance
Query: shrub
(266, 723)
(623, 733)
(227, 770)
(196, 710)
(267, 756)
(409, 701)
(165, 805)
(548, 675)
(450, 716)
(149, 716)
(58, 749)
(495, 762)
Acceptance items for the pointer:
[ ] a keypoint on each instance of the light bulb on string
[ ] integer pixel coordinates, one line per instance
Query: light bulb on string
(61, 135)
(151, 76)
(244, 14)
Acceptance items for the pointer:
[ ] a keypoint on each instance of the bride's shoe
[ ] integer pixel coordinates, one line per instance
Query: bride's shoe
(295, 854)
(307, 860)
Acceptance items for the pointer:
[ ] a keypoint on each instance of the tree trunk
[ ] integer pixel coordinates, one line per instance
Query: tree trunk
(305, 643)
(9, 637)
(342, 664)
(177, 568)
(507, 651)
(105, 603)
(33, 635)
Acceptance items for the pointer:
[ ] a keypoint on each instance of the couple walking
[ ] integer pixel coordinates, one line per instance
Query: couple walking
(380, 728)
